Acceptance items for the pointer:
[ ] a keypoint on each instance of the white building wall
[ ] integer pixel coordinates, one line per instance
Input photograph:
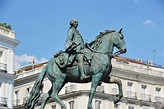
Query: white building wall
(7, 46)
(120, 70)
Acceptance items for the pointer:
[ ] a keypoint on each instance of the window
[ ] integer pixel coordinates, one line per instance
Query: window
(28, 90)
(129, 86)
(1, 52)
(143, 89)
(144, 93)
(16, 101)
(97, 104)
(53, 107)
(157, 91)
(17, 94)
(71, 105)
(129, 92)
(2, 55)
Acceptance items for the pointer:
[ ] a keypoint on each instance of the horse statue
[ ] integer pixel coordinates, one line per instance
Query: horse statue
(99, 69)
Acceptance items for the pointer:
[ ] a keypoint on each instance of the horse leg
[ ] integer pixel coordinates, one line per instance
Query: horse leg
(57, 86)
(94, 84)
(46, 97)
(117, 81)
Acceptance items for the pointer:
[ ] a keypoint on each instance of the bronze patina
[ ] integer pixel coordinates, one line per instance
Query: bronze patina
(95, 64)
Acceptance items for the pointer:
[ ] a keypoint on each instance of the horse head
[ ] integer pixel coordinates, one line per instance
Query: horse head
(106, 41)
(118, 42)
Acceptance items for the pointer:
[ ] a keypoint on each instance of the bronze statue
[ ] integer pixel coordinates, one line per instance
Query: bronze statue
(74, 39)
(63, 67)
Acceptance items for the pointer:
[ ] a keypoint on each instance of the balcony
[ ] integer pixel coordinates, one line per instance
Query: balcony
(131, 94)
(3, 67)
(145, 97)
(70, 88)
(16, 102)
(115, 91)
(100, 89)
(159, 99)
(3, 102)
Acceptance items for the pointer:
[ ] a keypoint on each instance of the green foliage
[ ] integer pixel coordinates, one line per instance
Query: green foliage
(5, 25)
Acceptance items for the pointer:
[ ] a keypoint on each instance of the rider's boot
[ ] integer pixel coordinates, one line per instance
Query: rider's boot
(81, 69)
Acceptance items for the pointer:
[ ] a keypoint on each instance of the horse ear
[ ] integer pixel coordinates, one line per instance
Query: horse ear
(120, 31)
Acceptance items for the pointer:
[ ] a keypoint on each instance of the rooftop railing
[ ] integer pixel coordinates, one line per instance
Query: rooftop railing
(7, 32)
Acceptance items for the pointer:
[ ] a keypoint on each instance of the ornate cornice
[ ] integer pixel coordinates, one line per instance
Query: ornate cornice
(8, 40)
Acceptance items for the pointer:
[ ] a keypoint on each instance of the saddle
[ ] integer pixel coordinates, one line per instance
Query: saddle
(64, 59)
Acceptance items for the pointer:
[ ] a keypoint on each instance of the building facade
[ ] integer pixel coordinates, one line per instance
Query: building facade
(143, 87)
(7, 75)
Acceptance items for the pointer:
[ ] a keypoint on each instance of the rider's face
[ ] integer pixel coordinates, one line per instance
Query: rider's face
(75, 24)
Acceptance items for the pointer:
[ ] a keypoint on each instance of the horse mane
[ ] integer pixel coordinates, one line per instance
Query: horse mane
(95, 43)
(104, 33)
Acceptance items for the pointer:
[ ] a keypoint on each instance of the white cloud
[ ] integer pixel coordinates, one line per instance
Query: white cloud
(25, 59)
(148, 22)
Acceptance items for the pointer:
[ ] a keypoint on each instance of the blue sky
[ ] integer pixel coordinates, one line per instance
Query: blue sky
(41, 25)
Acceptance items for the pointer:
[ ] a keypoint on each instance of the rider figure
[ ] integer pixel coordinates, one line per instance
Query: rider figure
(74, 38)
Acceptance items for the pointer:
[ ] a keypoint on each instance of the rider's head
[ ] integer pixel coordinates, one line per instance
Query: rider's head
(74, 23)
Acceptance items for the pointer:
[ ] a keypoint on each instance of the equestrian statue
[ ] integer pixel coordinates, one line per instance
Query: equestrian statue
(80, 63)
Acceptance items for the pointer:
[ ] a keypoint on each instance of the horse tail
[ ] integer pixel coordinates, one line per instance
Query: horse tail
(35, 92)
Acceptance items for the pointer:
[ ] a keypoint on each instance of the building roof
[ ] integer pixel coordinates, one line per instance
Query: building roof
(139, 61)
(118, 58)
(30, 67)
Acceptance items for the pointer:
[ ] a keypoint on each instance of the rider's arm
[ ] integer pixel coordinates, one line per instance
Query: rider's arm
(69, 39)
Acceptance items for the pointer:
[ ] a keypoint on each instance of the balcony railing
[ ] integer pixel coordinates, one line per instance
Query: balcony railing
(131, 94)
(100, 89)
(3, 67)
(16, 102)
(3, 101)
(145, 97)
(115, 91)
(159, 98)
(70, 88)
